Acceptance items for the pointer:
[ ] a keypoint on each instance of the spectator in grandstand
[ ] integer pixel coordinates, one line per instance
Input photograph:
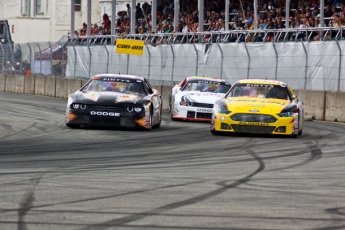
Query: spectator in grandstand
(280, 13)
(207, 18)
(128, 11)
(316, 11)
(8, 68)
(138, 11)
(18, 69)
(281, 23)
(170, 29)
(300, 24)
(297, 13)
(328, 11)
(106, 22)
(315, 4)
(308, 13)
(311, 22)
(334, 11)
(270, 26)
(184, 27)
(262, 24)
(336, 24)
(317, 36)
(292, 22)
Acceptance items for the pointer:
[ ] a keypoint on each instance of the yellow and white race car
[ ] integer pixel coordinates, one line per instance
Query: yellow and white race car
(258, 106)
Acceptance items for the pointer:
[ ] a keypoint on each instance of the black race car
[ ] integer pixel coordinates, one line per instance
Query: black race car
(117, 101)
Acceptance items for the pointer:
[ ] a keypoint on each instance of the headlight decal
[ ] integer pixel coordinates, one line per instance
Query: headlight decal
(221, 108)
(78, 106)
(289, 111)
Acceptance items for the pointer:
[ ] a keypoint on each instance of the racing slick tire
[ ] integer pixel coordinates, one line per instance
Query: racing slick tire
(217, 133)
(73, 126)
(160, 121)
(170, 111)
(296, 135)
(300, 132)
(150, 121)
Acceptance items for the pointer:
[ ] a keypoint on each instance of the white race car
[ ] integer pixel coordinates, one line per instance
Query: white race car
(194, 97)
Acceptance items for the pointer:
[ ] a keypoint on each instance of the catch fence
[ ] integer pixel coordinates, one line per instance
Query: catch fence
(292, 56)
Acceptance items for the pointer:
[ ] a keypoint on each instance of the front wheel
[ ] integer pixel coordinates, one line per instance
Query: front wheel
(160, 120)
(217, 133)
(149, 126)
(171, 112)
(73, 126)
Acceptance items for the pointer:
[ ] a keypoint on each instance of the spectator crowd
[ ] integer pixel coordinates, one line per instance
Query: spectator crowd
(271, 15)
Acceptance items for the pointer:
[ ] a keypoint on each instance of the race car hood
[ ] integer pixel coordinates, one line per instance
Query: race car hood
(200, 97)
(109, 97)
(256, 105)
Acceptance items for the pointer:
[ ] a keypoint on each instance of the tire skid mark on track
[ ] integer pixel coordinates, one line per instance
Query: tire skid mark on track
(315, 154)
(17, 132)
(116, 195)
(27, 201)
(8, 129)
(193, 200)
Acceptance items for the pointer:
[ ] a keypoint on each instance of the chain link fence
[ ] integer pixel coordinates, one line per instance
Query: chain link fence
(52, 59)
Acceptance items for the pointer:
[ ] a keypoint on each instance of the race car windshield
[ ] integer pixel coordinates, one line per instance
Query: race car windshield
(206, 86)
(259, 90)
(125, 87)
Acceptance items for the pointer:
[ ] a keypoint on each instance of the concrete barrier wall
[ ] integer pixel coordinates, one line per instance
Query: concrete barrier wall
(10, 82)
(73, 85)
(318, 105)
(314, 103)
(40, 82)
(334, 106)
(2, 82)
(50, 87)
(61, 87)
(19, 84)
(29, 87)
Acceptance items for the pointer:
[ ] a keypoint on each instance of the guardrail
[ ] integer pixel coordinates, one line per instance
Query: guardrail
(260, 35)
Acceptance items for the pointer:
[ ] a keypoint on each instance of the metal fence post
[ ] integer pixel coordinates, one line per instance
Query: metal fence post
(105, 47)
(221, 64)
(276, 70)
(51, 57)
(306, 65)
(3, 59)
(173, 65)
(127, 64)
(248, 69)
(197, 60)
(149, 67)
(39, 48)
(90, 59)
(75, 60)
(339, 69)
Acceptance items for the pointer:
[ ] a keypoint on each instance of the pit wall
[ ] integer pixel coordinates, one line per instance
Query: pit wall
(319, 105)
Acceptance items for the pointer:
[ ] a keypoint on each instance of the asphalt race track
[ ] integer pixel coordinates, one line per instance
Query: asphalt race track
(177, 177)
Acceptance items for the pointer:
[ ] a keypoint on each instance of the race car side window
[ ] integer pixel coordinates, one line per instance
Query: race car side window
(148, 87)
(182, 83)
